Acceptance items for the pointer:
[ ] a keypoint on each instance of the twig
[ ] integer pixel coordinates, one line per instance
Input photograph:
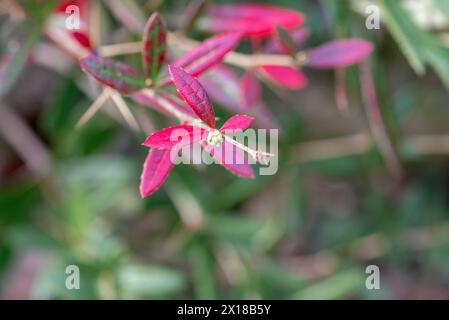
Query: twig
(120, 49)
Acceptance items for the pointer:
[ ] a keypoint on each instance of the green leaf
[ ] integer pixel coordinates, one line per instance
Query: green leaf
(114, 74)
(154, 46)
(139, 281)
(405, 32)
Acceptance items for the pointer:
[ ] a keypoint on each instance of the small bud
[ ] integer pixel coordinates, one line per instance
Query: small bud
(215, 138)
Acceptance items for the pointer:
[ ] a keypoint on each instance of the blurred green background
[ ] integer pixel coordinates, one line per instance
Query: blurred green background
(70, 196)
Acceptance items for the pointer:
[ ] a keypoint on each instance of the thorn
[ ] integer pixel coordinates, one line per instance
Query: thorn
(94, 107)
(125, 111)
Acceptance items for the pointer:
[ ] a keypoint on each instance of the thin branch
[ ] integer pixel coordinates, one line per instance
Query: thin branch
(120, 49)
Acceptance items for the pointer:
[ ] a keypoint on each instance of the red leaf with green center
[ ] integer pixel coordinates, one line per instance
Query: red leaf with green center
(193, 94)
(287, 77)
(208, 53)
(251, 91)
(237, 122)
(154, 46)
(177, 136)
(254, 20)
(114, 74)
(156, 169)
(339, 54)
(231, 158)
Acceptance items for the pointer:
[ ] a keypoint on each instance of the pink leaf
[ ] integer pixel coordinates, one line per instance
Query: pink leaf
(231, 158)
(208, 53)
(221, 84)
(156, 169)
(154, 45)
(287, 77)
(237, 122)
(255, 20)
(193, 94)
(339, 54)
(115, 74)
(250, 90)
(177, 136)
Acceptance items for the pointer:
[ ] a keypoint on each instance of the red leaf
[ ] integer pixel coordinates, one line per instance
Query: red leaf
(156, 169)
(115, 74)
(288, 77)
(339, 54)
(255, 20)
(154, 45)
(250, 90)
(193, 94)
(231, 158)
(299, 36)
(237, 122)
(208, 53)
(177, 136)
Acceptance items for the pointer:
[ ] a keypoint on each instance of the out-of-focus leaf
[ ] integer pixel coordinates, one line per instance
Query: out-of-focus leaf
(339, 54)
(255, 20)
(141, 281)
(406, 33)
(208, 53)
(287, 77)
(129, 13)
(251, 91)
(114, 74)
(12, 63)
(221, 84)
(285, 40)
(298, 36)
(338, 286)
(193, 94)
(154, 45)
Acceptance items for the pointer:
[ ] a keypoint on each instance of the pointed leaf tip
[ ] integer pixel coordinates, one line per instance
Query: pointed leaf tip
(208, 53)
(193, 94)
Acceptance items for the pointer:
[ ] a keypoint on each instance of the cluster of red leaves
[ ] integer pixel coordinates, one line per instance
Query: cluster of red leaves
(272, 30)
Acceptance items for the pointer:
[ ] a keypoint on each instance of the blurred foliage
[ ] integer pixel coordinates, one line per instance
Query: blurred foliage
(306, 233)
